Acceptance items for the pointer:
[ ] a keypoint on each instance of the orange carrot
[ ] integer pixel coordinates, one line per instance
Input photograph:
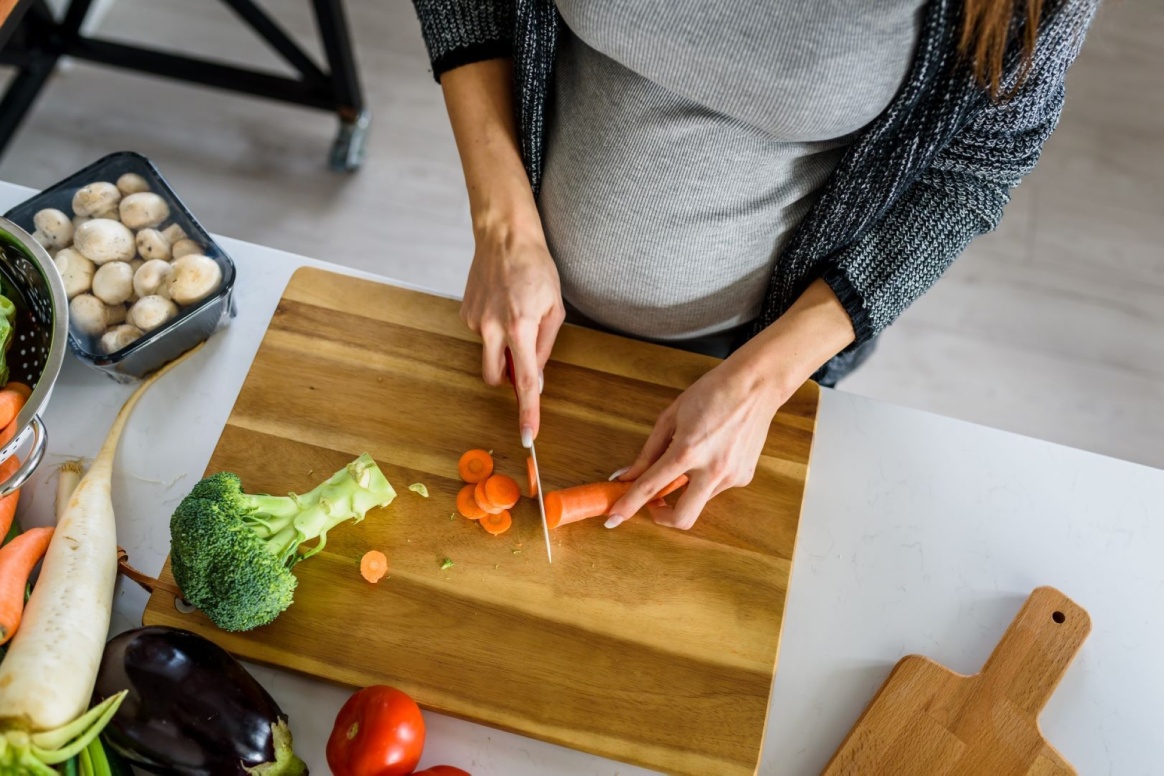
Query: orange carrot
(482, 499)
(533, 478)
(467, 504)
(593, 500)
(9, 502)
(373, 566)
(20, 388)
(7, 433)
(475, 465)
(502, 491)
(17, 559)
(11, 403)
(498, 523)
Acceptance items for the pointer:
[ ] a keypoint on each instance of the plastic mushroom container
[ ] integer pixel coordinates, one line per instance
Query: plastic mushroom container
(145, 281)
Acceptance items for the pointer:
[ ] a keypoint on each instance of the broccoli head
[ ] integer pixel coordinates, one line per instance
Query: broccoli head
(232, 552)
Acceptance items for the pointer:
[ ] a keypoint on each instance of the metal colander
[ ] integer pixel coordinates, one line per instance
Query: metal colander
(29, 278)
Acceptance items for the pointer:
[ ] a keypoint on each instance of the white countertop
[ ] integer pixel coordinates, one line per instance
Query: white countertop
(920, 534)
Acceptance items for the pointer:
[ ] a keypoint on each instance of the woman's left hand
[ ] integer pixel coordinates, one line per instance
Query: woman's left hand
(713, 432)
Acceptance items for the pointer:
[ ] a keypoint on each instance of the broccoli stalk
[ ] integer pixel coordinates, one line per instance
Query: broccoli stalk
(232, 552)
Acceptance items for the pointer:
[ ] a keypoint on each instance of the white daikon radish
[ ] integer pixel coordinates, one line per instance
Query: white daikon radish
(47, 677)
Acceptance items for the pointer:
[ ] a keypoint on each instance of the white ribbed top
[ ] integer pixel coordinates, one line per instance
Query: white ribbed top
(687, 139)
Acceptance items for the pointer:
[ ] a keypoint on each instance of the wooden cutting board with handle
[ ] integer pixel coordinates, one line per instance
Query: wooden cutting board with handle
(644, 644)
(927, 720)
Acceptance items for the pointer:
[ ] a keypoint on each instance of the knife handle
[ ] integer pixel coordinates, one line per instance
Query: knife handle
(511, 374)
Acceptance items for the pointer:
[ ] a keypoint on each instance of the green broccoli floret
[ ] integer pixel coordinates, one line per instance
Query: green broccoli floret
(232, 552)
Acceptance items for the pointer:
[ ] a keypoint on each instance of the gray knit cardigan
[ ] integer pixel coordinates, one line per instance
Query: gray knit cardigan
(932, 172)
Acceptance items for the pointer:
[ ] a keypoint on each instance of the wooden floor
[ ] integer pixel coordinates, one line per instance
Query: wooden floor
(1052, 327)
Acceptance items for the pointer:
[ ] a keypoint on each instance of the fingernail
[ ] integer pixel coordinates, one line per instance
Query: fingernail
(618, 474)
(541, 381)
(614, 521)
(526, 436)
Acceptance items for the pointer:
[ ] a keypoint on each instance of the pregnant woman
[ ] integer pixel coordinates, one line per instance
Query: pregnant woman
(771, 182)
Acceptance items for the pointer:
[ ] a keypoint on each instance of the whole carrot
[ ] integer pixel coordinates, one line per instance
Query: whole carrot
(593, 500)
(17, 559)
(9, 502)
(11, 402)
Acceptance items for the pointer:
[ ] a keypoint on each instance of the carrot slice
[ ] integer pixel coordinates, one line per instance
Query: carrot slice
(533, 477)
(498, 523)
(593, 500)
(502, 491)
(17, 560)
(373, 566)
(467, 504)
(20, 388)
(11, 402)
(475, 465)
(482, 499)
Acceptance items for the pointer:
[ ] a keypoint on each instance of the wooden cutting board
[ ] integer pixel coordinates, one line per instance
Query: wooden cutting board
(927, 720)
(644, 644)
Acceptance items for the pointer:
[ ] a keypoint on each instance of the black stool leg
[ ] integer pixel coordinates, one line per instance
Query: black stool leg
(39, 50)
(347, 152)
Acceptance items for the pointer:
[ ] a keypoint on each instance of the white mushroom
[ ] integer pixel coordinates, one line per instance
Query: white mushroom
(42, 240)
(142, 210)
(194, 278)
(113, 282)
(56, 226)
(153, 278)
(150, 312)
(78, 220)
(152, 244)
(87, 315)
(120, 337)
(132, 183)
(185, 247)
(102, 240)
(97, 199)
(173, 233)
(76, 271)
(115, 313)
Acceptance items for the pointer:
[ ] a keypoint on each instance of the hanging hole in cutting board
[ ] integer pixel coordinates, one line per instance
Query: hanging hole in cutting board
(1058, 617)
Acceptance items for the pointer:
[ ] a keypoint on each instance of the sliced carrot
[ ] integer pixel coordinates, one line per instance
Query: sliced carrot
(502, 491)
(17, 560)
(498, 523)
(593, 500)
(8, 504)
(467, 504)
(475, 465)
(373, 566)
(11, 402)
(482, 499)
(533, 477)
(20, 388)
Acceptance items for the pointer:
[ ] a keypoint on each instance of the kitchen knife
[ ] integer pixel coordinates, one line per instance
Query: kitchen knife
(533, 454)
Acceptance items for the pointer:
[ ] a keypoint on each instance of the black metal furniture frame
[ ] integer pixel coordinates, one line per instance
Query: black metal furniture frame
(32, 40)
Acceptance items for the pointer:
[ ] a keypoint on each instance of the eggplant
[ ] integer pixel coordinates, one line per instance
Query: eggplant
(192, 709)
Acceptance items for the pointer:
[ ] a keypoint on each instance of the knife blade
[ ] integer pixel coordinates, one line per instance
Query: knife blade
(533, 454)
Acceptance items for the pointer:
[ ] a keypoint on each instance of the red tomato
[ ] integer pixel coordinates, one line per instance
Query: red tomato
(378, 732)
(442, 770)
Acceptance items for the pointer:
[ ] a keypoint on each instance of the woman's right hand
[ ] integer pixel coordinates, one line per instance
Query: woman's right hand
(513, 300)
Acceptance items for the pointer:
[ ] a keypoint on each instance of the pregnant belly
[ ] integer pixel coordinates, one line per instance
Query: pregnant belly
(665, 218)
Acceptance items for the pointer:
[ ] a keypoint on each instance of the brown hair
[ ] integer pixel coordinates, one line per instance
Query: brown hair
(987, 29)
